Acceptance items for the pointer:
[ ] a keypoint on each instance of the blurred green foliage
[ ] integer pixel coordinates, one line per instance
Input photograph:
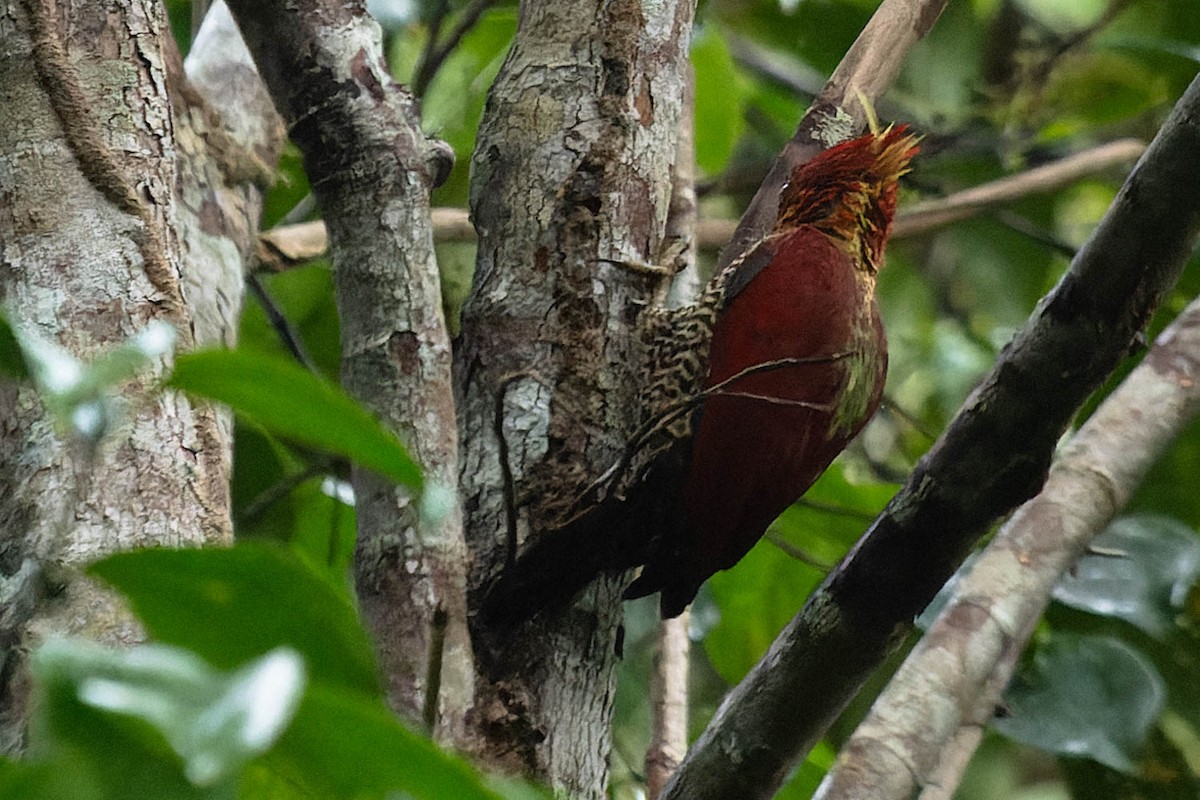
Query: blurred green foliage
(268, 690)
(998, 86)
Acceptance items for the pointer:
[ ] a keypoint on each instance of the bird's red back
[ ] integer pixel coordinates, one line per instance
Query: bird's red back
(797, 360)
(763, 439)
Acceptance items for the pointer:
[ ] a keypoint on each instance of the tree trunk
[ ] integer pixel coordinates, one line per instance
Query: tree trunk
(98, 173)
(571, 183)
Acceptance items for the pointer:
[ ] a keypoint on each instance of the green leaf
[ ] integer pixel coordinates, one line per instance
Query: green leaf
(215, 722)
(289, 401)
(342, 745)
(1140, 570)
(233, 605)
(79, 395)
(719, 100)
(1091, 696)
(12, 360)
(23, 781)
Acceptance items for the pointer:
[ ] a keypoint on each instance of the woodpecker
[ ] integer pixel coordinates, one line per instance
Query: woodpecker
(796, 361)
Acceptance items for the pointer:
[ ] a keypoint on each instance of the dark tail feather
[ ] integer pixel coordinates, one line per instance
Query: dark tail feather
(550, 573)
(672, 578)
(615, 535)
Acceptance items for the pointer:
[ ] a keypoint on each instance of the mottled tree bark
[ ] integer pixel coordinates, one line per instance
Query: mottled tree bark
(571, 181)
(97, 175)
(371, 169)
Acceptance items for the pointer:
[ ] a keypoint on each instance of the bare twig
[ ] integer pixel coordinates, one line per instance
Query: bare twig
(669, 681)
(441, 10)
(289, 246)
(277, 491)
(668, 703)
(1024, 226)
(435, 52)
(798, 553)
(953, 679)
(280, 323)
(960, 205)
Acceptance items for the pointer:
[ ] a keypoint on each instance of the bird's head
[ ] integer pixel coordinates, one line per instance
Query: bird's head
(849, 192)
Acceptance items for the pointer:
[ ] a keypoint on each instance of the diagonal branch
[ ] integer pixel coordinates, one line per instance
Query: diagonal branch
(933, 214)
(955, 675)
(869, 67)
(289, 246)
(436, 52)
(993, 456)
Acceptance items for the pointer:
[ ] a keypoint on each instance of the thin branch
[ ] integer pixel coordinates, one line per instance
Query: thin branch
(669, 680)
(954, 677)
(435, 53)
(1015, 222)
(933, 214)
(835, 510)
(993, 456)
(668, 703)
(896, 410)
(615, 475)
(441, 10)
(797, 553)
(1082, 36)
(277, 491)
(280, 323)
(289, 246)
